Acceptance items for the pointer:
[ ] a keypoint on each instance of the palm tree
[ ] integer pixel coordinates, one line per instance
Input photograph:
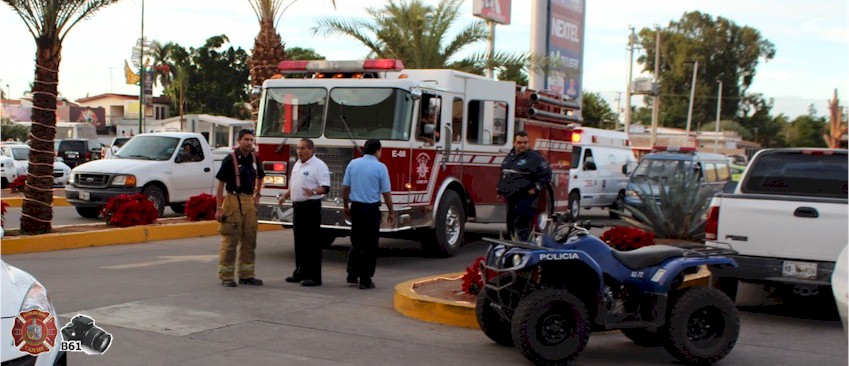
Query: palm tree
(163, 67)
(268, 47)
(49, 21)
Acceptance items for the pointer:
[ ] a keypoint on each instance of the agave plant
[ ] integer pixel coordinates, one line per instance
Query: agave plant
(681, 210)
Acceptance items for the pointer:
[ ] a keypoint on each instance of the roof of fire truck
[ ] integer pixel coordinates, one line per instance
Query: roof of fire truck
(390, 72)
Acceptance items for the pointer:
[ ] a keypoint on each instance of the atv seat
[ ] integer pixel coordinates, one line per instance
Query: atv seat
(647, 256)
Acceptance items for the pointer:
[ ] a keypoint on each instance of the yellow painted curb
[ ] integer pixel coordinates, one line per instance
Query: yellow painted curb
(19, 201)
(115, 236)
(431, 309)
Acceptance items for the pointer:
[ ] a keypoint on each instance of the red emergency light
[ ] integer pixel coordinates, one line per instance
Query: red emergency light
(681, 149)
(817, 152)
(338, 67)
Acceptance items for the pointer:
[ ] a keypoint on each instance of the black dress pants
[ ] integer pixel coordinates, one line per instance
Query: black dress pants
(521, 212)
(306, 224)
(365, 229)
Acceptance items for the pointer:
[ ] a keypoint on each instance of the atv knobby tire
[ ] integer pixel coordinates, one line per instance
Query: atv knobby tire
(496, 328)
(551, 327)
(702, 327)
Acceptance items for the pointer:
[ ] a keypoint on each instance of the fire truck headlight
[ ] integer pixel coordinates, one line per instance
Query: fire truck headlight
(408, 186)
(275, 180)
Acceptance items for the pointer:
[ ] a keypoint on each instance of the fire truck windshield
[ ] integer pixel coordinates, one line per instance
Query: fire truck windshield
(370, 113)
(293, 112)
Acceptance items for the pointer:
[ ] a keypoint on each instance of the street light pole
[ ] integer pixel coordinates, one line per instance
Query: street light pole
(718, 111)
(692, 95)
(632, 38)
(141, 72)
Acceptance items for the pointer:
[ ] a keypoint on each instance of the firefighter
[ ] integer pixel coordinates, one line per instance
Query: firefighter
(241, 174)
(524, 174)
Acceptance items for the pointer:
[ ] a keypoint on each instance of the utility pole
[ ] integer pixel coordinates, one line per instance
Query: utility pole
(692, 95)
(632, 38)
(718, 111)
(490, 50)
(655, 108)
(141, 73)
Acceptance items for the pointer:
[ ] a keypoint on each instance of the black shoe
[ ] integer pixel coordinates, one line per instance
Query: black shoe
(366, 283)
(251, 281)
(310, 283)
(352, 280)
(293, 279)
(228, 283)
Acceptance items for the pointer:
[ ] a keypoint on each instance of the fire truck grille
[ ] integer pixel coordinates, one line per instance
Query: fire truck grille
(337, 160)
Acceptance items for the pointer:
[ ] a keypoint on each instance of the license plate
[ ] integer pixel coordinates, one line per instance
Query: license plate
(72, 155)
(803, 270)
(85, 196)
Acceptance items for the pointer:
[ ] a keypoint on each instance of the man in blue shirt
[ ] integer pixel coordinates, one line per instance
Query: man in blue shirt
(366, 179)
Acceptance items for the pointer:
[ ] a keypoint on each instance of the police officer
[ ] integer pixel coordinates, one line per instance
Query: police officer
(524, 174)
(241, 174)
(366, 179)
(310, 182)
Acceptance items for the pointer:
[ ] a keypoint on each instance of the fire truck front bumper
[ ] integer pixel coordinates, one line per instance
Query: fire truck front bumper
(332, 216)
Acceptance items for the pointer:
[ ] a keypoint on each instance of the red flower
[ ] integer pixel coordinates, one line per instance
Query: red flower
(627, 238)
(201, 207)
(19, 183)
(129, 210)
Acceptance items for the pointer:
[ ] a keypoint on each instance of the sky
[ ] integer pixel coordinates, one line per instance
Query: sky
(811, 41)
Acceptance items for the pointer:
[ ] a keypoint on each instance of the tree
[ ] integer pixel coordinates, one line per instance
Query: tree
(769, 131)
(214, 80)
(596, 111)
(163, 70)
(725, 51)
(298, 53)
(513, 72)
(807, 131)
(49, 21)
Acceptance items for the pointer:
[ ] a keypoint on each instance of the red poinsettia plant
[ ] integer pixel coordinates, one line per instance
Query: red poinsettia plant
(201, 207)
(3, 206)
(627, 238)
(472, 280)
(129, 210)
(19, 183)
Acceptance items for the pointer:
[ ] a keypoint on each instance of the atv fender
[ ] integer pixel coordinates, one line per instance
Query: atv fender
(696, 272)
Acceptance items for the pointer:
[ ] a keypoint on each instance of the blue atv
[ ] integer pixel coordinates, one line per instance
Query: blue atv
(546, 296)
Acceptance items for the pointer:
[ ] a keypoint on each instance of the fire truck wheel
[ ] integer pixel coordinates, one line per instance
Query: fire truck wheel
(449, 226)
(574, 205)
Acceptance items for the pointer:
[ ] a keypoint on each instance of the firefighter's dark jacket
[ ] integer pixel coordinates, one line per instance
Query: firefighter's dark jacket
(520, 173)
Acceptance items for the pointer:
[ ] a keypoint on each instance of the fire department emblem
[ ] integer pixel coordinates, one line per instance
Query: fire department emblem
(34, 330)
(424, 166)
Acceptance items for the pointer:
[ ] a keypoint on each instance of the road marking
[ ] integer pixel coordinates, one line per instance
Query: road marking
(167, 260)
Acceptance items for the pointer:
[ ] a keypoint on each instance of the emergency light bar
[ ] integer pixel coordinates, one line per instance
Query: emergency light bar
(324, 66)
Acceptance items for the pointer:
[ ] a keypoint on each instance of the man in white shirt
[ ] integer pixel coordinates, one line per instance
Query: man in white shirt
(309, 182)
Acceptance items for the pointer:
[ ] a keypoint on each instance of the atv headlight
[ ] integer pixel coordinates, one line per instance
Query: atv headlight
(36, 299)
(515, 260)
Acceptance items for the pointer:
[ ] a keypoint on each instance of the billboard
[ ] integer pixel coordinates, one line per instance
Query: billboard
(559, 33)
(495, 10)
(95, 116)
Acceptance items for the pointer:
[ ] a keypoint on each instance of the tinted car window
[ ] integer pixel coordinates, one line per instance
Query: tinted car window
(798, 174)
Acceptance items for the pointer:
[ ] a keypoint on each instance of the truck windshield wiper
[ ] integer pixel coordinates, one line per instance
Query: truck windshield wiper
(144, 157)
(347, 129)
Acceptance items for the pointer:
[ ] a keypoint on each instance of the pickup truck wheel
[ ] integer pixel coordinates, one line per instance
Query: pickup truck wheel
(703, 326)
(88, 212)
(551, 327)
(617, 205)
(492, 325)
(179, 208)
(447, 235)
(574, 205)
(155, 195)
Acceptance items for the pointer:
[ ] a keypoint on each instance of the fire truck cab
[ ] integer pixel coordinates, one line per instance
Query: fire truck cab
(444, 134)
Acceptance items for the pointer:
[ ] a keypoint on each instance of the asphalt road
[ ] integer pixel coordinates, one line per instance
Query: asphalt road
(163, 304)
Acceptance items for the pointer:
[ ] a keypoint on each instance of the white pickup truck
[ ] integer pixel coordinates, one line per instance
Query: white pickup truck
(168, 167)
(787, 218)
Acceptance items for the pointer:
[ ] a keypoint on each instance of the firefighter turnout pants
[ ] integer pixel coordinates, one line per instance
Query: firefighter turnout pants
(238, 232)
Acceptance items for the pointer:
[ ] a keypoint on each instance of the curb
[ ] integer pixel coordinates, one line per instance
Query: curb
(431, 309)
(18, 201)
(116, 236)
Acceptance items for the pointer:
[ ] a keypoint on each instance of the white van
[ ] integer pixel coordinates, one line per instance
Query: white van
(599, 173)
(75, 130)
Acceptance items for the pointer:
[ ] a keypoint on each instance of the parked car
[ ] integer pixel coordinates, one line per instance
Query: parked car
(8, 170)
(786, 218)
(95, 149)
(151, 164)
(22, 292)
(713, 170)
(73, 151)
(20, 153)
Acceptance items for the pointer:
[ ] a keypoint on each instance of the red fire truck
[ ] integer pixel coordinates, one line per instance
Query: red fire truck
(444, 135)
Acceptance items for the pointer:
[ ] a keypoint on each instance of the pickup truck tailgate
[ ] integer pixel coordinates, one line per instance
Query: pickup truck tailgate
(793, 227)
